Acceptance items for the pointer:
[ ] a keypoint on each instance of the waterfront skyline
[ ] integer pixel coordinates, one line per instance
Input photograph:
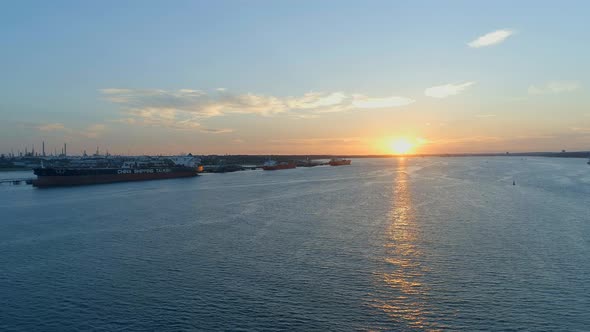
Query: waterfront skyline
(283, 78)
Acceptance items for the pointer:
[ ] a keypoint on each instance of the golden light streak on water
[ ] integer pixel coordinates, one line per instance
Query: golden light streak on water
(402, 265)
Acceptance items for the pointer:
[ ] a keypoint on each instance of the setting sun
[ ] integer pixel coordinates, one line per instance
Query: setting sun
(401, 146)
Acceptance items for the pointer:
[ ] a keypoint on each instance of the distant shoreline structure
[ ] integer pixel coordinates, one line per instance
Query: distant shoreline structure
(225, 161)
(42, 155)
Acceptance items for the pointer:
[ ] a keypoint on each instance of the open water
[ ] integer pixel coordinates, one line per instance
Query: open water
(383, 244)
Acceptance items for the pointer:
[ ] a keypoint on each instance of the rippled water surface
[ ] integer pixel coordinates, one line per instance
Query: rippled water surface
(408, 244)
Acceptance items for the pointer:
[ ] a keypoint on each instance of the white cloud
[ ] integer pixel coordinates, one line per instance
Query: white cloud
(443, 91)
(554, 87)
(182, 109)
(491, 38)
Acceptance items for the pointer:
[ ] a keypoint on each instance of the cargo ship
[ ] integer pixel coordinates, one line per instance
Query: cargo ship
(129, 171)
(339, 162)
(272, 165)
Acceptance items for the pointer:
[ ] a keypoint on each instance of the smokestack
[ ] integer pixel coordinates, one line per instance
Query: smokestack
(43, 149)
(65, 150)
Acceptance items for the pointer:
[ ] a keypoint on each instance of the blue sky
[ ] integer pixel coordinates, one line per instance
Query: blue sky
(61, 62)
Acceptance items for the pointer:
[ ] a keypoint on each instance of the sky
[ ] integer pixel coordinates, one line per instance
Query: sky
(294, 77)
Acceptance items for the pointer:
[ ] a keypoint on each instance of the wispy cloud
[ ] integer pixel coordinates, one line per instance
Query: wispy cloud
(167, 118)
(585, 130)
(116, 91)
(91, 131)
(183, 109)
(94, 131)
(164, 117)
(222, 102)
(492, 38)
(447, 90)
(491, 139)
(361, 101)
(554, 87)
(320, 141)
(470, 139)
(51, 127)
(216, 131)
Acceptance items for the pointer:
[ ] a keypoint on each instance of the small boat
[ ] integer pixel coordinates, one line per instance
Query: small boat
(272, 165)
(339, 162)
(588, 161)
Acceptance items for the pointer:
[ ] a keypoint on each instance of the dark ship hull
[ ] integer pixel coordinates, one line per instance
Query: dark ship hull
(279, 166)
(343, 162)
(54, 177)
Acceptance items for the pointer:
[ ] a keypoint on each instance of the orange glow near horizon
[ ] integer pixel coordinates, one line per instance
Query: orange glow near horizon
(401, 146)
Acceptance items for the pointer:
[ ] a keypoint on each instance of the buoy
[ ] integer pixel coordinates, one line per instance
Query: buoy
(514, 183)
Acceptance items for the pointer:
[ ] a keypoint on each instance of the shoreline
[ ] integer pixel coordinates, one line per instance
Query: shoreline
(15, 169)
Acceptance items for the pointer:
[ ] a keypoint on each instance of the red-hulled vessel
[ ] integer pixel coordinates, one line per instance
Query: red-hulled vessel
(272, 165)
(339, 162)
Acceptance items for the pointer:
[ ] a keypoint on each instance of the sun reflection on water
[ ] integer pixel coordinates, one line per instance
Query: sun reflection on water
(406, 298)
